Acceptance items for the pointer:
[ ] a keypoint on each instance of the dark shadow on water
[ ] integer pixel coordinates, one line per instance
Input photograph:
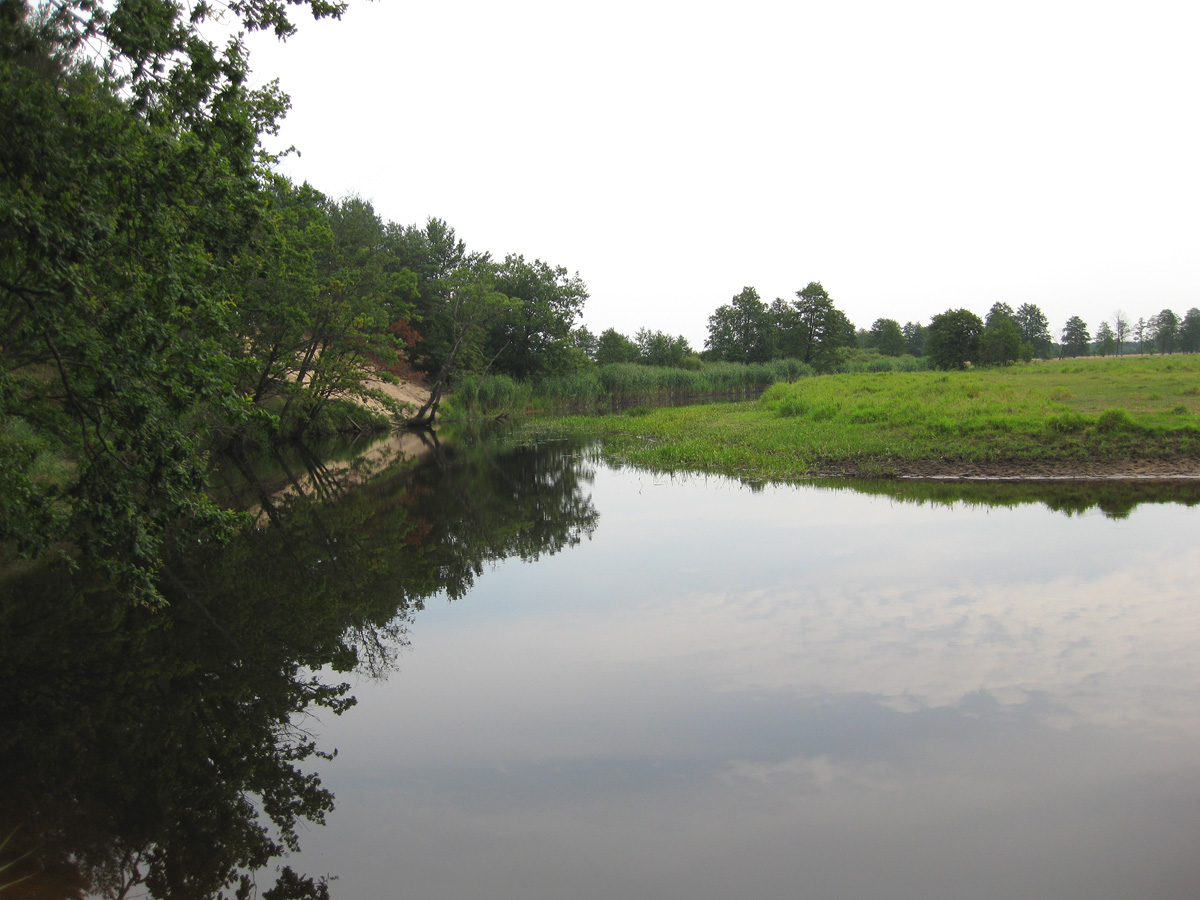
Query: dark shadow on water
(168, 753)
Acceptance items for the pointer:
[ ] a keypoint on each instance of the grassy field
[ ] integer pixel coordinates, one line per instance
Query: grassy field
(1055, 417)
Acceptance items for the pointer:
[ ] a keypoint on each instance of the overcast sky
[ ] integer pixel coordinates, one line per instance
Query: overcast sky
(913, 157)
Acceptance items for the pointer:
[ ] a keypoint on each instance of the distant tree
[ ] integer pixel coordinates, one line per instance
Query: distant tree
(1000, 343)
(1075, 337)
(1120, 329)
(1189, 332)
(810, 328)
(999, 311)
(1141, 331)
(1035, 329)
(1106, 339)
(1164, 329)
(953, 339)
(614, 347)
(657, 348)
(887, 337)
(914, 338)
(583, 340)
(741, 331)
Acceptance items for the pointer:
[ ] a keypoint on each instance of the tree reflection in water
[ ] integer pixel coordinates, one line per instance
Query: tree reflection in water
(163, 753)
(1114, 498)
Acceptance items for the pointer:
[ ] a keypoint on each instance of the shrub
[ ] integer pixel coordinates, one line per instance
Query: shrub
(1067, 423)
(1115, 420)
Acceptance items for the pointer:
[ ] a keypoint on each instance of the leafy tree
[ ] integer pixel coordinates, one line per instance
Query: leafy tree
(656, 348)
(953, 339)
(1164, 329)
(1000, 343)
(1106, 339)
(1120, 329)
(614, 347)
(1000, 311)
(1141, 332)
(347, 325)
(741, 331)
(280, 287)
(469, 307)
(434, 253)
(583, 340)
(131, 184)
(1075, 337)
(811, 328)
(1189, 331)
(534, 337)
(914, 338)
(887, 337)
(1035, 329)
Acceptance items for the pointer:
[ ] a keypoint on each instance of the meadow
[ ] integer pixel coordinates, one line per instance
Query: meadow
(1077, 416)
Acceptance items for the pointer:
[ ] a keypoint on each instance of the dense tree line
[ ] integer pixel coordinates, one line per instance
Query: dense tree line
(163, 293)
(809, 328)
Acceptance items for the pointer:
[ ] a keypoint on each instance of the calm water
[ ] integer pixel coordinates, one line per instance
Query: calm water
(698, 690)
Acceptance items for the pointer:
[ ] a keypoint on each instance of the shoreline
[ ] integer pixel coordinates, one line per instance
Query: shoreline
(1158, 470)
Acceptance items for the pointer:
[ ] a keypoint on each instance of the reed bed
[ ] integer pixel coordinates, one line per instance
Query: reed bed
(618, 386)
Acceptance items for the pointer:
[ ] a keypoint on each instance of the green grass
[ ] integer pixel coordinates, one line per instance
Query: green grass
(1062, 411)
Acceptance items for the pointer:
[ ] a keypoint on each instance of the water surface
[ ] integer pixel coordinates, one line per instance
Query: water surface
(580, 681)
(793, 691)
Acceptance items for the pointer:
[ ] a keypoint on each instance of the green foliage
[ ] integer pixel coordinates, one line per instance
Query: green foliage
(162, 294)
(614, 347)
(1164, 331)
(856, 360)
(488, 393)
(1189, 332)
(812, 329)
(657, 348)
(615, 386)
(953, 339)
(1035, 329)
(122, 208)
(742, 330)
(1115, 420)
(322, 300)
(1075, 337)
(914, 339)
(887, 337)
(809, 329)
(1000, 343)
(534, 335)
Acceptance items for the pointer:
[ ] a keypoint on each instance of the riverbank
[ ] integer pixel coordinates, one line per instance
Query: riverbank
(1088, 418)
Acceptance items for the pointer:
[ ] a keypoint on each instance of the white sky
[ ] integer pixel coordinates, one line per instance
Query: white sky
(913, 157)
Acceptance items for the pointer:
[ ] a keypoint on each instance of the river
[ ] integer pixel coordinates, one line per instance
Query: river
(582, 680)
